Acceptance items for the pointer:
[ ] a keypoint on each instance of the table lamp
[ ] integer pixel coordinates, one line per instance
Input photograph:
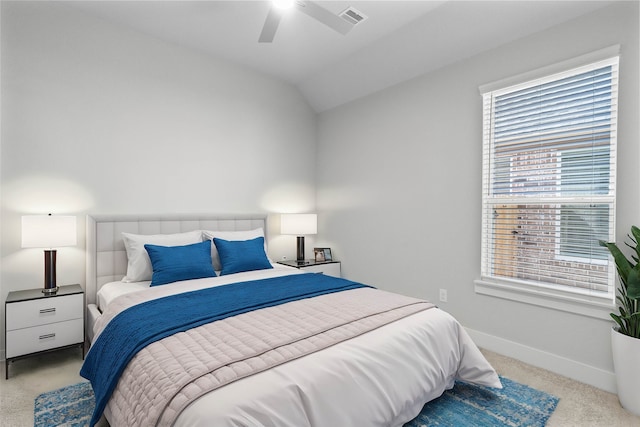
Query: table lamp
(49, 231)
(299, 225)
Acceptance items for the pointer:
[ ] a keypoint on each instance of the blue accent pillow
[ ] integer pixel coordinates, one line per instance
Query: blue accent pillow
(237, 256)
(174, 263)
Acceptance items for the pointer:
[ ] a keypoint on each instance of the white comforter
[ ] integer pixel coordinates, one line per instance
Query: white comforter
(382, 378)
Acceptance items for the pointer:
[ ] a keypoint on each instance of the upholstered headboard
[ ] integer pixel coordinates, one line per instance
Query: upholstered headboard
(106, 255)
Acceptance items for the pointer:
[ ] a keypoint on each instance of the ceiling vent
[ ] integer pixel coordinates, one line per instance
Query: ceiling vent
(353, 16)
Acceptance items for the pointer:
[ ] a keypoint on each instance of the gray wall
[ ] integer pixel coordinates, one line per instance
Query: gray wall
(399, 190)
(98, 119)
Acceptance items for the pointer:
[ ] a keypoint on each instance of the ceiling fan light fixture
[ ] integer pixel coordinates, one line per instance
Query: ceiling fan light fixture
(283, 4)
(308, 7)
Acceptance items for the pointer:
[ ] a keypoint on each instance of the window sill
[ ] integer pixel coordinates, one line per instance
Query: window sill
(585, 305)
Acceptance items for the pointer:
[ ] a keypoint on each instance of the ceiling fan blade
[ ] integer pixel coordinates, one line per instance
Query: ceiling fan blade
(323, 15)
(270, 26)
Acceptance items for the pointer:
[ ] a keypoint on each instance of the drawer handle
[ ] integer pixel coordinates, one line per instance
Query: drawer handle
(47, 310)
(44, 337)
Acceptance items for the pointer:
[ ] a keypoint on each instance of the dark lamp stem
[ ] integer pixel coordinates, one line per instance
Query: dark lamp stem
(300, 247)
(50, 271)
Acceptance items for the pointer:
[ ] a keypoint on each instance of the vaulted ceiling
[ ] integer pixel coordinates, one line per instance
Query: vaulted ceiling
(398, 40)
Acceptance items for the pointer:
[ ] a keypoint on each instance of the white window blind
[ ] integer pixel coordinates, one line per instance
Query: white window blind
(549, 167)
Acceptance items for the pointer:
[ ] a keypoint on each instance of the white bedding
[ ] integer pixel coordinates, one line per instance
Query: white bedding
(112, 290)
(381, 378)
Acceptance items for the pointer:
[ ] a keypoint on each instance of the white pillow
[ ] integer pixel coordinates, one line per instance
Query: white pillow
(231, 235)
(138, 262)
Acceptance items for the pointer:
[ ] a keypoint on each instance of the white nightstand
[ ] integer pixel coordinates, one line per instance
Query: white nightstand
(330, 268)
(37, 322)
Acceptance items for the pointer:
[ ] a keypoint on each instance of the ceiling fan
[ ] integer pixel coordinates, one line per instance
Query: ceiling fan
(307, 7)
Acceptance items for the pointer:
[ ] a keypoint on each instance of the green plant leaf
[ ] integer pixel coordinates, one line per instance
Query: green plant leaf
(628, 295)
(619, 322)
(636, 234)
(622, 263)
(633, 323)
(633, 283)
(623, 313)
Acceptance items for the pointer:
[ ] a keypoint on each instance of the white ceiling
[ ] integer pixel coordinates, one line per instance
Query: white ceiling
(398, 41)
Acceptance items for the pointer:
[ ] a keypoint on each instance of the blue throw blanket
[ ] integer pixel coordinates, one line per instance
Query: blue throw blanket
(143, 324)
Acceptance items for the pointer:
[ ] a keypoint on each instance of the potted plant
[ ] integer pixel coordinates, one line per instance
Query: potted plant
(625, 338)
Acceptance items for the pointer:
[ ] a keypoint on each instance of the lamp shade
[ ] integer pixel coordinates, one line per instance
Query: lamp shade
(299, 224)
(48, 231)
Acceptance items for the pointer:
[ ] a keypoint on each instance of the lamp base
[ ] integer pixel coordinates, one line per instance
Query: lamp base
(300, 249)
(50, 286)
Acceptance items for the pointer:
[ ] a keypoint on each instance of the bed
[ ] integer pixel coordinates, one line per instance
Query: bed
(314, 351)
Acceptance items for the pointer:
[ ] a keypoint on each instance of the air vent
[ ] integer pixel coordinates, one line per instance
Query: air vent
(353, 16)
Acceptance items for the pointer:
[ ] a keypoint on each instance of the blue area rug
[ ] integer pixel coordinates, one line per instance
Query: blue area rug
(464, 405)
(70, 406)
(470, 405)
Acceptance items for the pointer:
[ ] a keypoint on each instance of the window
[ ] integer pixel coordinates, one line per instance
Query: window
(549, 157)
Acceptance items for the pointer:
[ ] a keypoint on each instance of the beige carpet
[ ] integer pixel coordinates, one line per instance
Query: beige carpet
(580, 404)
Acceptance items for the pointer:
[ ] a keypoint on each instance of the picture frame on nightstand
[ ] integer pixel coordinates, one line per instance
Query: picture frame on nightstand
(322, 254)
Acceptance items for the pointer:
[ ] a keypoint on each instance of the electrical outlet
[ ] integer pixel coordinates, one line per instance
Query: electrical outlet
(443, 295)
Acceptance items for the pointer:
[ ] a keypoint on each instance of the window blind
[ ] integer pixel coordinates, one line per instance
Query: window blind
(549, 163)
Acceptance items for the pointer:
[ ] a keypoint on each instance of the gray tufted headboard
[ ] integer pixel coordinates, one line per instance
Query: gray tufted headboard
(106, 255)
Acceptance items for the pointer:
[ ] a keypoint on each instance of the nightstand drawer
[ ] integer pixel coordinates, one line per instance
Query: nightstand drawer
(45, 337)
(25, 314)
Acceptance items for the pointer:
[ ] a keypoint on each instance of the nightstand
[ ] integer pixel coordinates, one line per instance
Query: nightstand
(37, 322)
(330, 268)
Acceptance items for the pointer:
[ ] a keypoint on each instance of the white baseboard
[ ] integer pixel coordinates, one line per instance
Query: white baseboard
(596, 377)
